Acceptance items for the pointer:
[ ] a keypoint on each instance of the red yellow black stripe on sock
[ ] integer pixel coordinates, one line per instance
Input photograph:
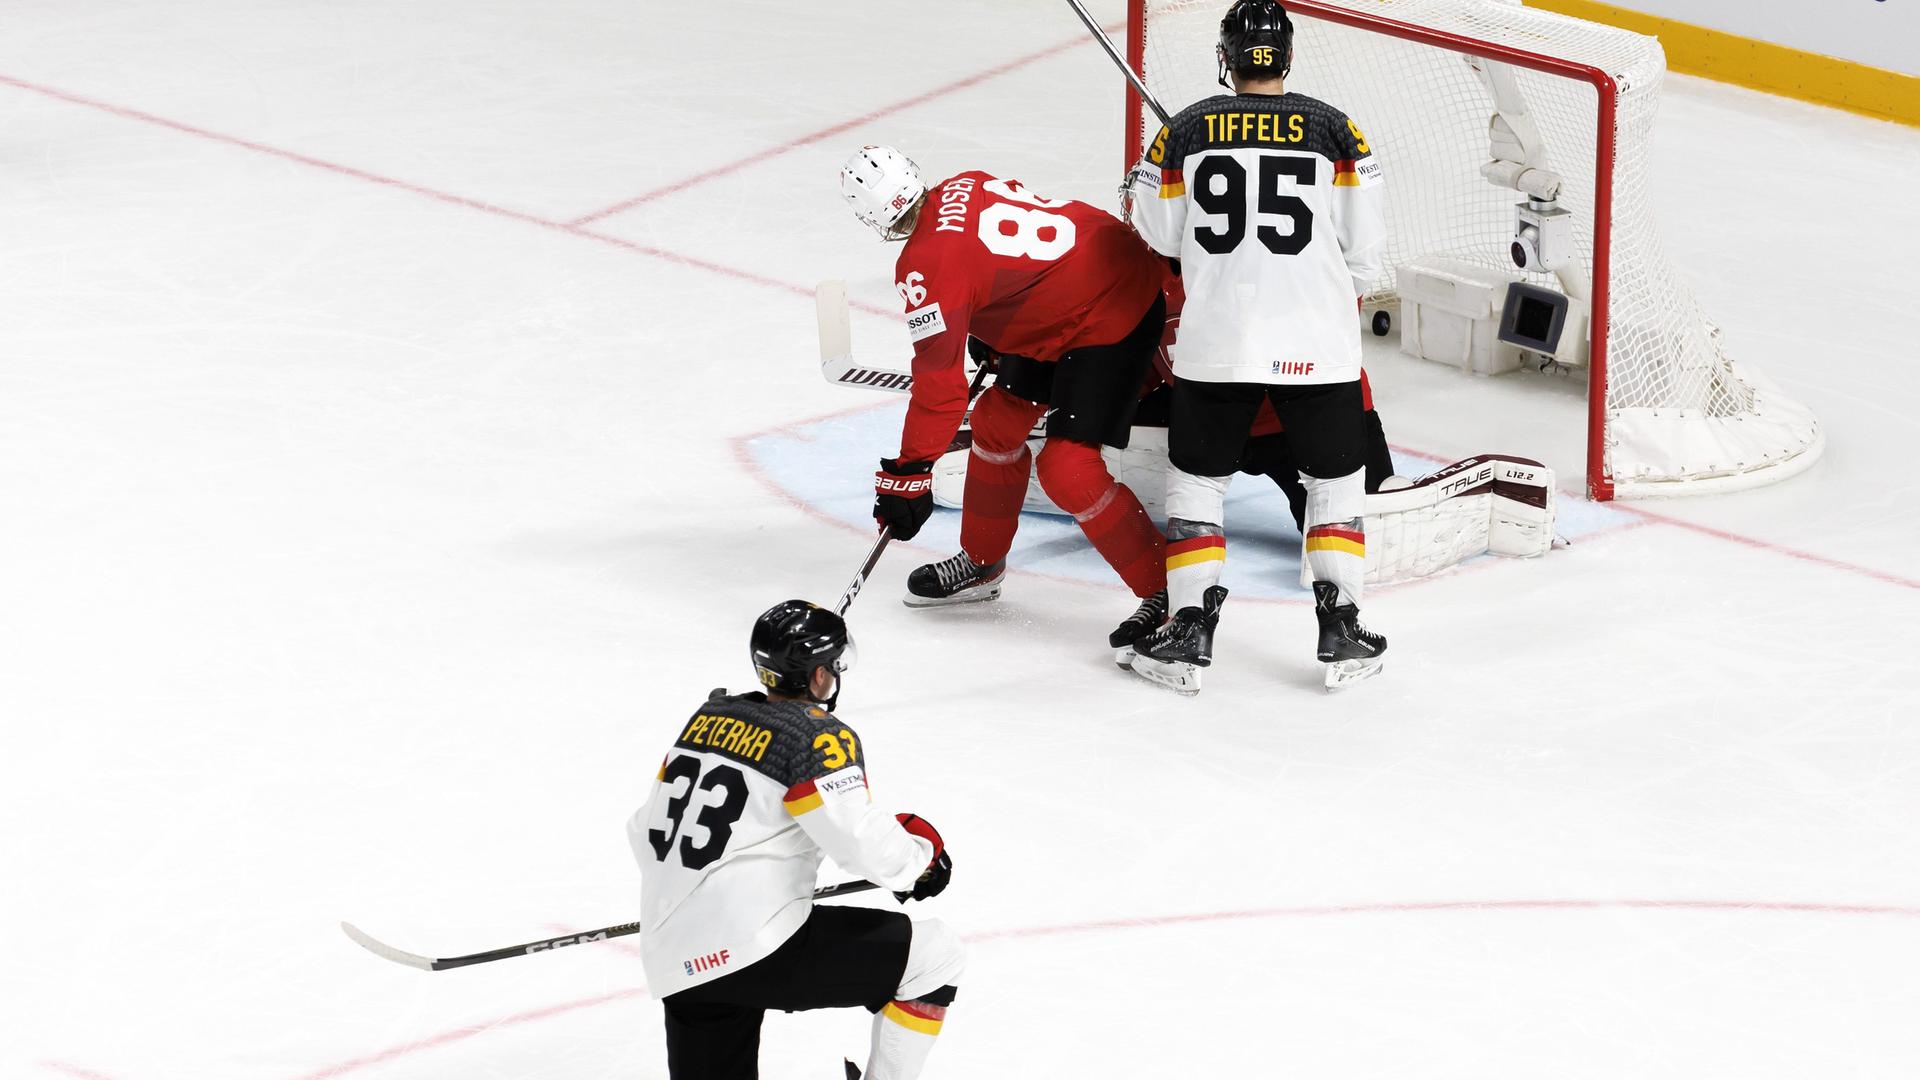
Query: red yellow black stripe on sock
(1199, 549)
(1337, 538)
(916, 1016)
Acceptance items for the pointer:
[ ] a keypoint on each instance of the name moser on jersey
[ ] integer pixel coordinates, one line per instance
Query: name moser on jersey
(1071, 297)
(756, 791)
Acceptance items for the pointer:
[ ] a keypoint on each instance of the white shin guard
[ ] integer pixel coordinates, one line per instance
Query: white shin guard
(1196, 538)
(905, 1029)
(1335, 546)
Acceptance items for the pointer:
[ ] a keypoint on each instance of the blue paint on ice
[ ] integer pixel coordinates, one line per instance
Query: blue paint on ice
(828, 465)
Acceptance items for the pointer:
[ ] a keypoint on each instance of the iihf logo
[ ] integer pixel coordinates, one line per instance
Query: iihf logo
(707, 962)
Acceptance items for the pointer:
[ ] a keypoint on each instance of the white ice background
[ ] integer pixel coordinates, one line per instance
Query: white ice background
(373, 506)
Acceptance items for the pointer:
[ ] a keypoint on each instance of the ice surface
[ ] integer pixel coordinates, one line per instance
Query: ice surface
(368, 527)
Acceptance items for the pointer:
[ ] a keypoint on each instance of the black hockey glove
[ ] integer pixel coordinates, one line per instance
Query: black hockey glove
(939, 869)
(903, 496)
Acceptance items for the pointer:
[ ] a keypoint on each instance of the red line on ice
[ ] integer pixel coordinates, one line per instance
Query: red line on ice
(497, 210)
(436, 195)
(1146, 922)
(1317, 911)
(75, 1070)
(1884, 576)
(453, 1035)
(837, 129)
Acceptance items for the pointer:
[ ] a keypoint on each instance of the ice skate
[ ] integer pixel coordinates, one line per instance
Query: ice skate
(1145, 619)
(958, 580)
(1173, 655)
(1350, 651)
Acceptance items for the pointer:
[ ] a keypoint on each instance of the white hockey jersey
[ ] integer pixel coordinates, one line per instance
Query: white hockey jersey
(1273, 205)
(751, 797)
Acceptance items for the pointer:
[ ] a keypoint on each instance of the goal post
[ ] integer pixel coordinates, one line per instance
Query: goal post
(1472, 106)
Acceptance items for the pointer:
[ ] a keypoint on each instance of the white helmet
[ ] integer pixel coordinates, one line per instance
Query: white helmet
(881, 184)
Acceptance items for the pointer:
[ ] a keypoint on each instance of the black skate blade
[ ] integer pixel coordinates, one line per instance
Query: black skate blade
(853, 1071)
(1344, 673)
(1182, 678)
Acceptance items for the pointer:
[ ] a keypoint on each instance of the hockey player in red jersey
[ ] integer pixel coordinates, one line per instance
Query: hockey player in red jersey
(1070, 299)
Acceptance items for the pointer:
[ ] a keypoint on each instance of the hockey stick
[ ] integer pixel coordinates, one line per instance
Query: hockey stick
(1106, 43)
(886, 531)
(426, 963)
(836, 345)
(860, 579)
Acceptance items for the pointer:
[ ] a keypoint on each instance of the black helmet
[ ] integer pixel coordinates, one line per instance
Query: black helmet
(793, 638)
(1256, 38)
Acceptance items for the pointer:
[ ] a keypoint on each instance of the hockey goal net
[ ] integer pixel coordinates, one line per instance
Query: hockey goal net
(1668, 411)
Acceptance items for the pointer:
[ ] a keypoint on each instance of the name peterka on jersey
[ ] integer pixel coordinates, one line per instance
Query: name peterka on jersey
(728, 735)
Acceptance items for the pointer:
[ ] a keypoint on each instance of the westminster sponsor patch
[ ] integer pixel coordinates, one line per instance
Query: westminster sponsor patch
(849, 782)
(923, 323)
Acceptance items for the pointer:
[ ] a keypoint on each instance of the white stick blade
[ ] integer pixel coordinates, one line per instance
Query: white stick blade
(382, 949)
(836, 329)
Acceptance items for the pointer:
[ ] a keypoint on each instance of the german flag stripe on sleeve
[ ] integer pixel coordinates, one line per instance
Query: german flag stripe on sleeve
(802, 797)
(916, 1016)
(1173, 183)
(1334, 538)
(1344, 174)
(1199, 549)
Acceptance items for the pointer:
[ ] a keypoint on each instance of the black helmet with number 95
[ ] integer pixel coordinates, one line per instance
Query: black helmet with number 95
(794, 638)
(1256, 39)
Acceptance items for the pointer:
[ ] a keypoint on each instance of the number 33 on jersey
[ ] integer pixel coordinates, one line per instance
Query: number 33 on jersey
(1028, 275)
(751, 796)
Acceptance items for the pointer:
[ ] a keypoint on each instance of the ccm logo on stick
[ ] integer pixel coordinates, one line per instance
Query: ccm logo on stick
(580, 939)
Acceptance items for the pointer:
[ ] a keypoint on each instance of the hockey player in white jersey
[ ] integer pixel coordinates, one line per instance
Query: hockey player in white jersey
(757, 789)
(1271, 202)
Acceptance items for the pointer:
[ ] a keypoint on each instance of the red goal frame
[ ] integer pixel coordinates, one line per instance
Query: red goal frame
(1599, 480)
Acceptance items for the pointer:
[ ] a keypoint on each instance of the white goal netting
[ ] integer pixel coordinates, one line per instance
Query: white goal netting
(1679, 414)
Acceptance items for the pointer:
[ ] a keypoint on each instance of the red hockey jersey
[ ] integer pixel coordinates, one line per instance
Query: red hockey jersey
(1029, 276)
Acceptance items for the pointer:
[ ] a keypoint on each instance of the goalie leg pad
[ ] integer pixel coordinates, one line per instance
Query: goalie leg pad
(1491, 503)
(1075, 477)
(1336, 540)
(997, 470)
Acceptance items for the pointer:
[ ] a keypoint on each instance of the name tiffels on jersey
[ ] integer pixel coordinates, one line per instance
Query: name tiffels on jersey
(954, 197)
(1241, 127)
(729, 735)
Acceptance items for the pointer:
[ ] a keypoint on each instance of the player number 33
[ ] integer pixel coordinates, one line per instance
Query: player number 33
(837, 751)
